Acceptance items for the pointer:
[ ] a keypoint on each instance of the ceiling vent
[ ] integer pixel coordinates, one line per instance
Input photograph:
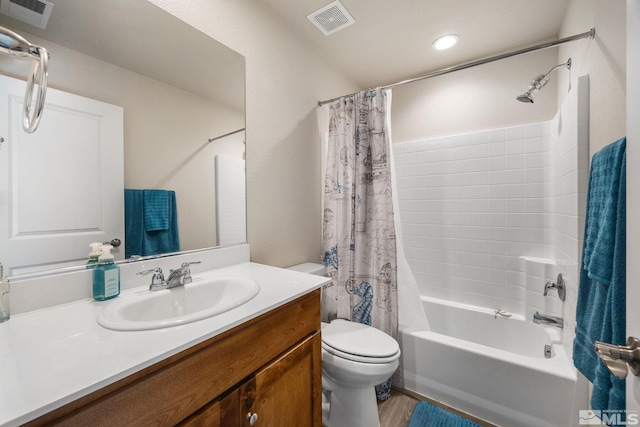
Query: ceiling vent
(33, 12)
(331, 18)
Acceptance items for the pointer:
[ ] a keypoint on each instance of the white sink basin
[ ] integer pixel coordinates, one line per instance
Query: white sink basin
(203, 298)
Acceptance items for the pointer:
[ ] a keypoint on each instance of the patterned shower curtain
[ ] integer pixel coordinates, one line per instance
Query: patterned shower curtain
(359, 240)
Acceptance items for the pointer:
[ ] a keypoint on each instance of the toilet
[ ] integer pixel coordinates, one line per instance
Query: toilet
(355, 358)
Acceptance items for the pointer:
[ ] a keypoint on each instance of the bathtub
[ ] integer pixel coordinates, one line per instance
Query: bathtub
(492, 368)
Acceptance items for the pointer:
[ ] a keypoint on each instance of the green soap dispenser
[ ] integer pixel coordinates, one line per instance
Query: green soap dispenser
(96, 251)
(106, 276)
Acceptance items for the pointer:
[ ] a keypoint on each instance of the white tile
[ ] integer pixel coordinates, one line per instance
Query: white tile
(513, 133)
(496, 135)
(514, 147)
(478, 202)
(496, 149)
(533, 145)
(534, 130)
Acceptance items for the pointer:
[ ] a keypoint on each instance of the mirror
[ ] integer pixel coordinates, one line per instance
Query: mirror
(178, 89)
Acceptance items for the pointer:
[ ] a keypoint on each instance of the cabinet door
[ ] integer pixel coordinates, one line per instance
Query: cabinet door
(288, 391)
(221, 413)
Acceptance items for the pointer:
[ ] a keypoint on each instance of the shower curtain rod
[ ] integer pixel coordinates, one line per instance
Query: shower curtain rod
(225, 135)
(589, 34)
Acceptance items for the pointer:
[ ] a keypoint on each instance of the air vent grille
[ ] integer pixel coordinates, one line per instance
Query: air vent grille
(33, 12)
(34, 5)
(331, 18)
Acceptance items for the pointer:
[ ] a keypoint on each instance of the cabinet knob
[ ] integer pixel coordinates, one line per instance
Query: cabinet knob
(253, 418)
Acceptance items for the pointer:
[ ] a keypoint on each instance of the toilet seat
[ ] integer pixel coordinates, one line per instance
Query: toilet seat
(357, 342)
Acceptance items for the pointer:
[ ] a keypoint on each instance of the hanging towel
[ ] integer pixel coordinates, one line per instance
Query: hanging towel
(164, 241)
(156, 210)
(133, 222)
(139, 240)
(601, 307)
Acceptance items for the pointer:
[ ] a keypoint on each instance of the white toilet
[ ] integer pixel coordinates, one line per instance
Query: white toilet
(355, 358)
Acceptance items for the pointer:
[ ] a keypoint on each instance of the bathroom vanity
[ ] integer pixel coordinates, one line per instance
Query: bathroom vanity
(258, 364)
(269, 366)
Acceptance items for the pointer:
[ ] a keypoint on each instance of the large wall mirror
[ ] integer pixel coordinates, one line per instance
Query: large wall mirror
(181, 97)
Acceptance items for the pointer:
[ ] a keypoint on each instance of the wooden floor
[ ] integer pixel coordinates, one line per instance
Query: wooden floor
(397, 410)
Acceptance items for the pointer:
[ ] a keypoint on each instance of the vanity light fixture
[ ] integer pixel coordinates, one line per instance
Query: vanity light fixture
(445, 42)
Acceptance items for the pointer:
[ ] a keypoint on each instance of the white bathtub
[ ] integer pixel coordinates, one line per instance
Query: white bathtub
(493, 368)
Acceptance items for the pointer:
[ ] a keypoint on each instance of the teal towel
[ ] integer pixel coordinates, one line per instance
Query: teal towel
(427, 415)
(133, 222)
(156, 210)
(601, 308)
(164, 241)
(139, 240)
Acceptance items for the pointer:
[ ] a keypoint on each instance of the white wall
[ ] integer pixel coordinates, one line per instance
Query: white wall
(482, 98)
(285, 79)
(476, 99)
(603, 59)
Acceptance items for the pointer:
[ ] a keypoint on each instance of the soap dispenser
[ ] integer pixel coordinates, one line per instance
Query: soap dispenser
(106, 276)
(96, 251)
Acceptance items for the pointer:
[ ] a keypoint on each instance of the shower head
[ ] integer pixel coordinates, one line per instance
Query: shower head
(539, 82)
(525, 97)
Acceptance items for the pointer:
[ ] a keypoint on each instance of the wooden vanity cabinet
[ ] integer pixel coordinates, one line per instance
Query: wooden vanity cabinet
(277, 395)
(269, 366)
(221, 413)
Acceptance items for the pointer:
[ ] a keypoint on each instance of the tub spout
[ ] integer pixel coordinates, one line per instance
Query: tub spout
(547, 319)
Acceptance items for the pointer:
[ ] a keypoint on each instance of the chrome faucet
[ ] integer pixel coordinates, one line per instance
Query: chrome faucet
(157, 280)
(178, 277)
(547, 319)
(557, 285)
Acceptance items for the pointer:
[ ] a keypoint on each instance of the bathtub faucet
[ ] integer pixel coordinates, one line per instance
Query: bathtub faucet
(547, 319)
(557, 285)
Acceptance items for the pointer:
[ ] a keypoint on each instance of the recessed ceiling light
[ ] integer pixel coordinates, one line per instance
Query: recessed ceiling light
(445, 42)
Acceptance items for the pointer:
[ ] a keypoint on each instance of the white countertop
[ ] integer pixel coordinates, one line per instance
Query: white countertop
(53, 356)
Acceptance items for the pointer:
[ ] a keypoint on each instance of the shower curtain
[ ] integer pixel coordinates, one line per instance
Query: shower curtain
(359, 239)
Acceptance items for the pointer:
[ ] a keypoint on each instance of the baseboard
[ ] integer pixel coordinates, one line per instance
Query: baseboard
(419, 396)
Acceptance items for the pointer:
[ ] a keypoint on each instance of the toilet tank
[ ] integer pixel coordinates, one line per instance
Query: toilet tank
(309, 268)
(328, 305)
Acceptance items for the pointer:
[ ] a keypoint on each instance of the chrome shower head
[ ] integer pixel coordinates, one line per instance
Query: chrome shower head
(525, 97)
(539, 82)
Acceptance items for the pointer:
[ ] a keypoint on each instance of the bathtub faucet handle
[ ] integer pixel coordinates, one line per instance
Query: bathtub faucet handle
(557, 285)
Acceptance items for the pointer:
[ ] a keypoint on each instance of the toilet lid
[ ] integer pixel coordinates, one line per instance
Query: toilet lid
(352, 338)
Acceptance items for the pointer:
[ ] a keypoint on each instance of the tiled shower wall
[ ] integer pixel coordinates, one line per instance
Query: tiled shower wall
(472, 206)
(567, 195)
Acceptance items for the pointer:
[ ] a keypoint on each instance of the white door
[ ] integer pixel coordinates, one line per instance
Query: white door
(633, 189)
(61, 187)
